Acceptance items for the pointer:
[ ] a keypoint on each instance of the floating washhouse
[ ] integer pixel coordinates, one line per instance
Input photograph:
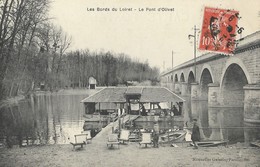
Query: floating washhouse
(139, 106)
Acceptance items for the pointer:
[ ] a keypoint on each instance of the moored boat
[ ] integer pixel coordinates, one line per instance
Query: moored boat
(211, 143)
(174, 136)
(99, 118)
(256, 143)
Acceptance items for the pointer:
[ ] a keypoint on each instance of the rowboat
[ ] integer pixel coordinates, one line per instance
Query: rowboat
(171, 137)
(210, 143)
(256, 143)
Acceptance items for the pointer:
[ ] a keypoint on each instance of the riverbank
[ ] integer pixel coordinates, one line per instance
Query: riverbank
(97, 154)
(11, 101)
(77, 91)
(70, 91)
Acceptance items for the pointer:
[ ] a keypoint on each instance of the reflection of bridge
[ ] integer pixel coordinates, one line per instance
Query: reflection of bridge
(225, 81)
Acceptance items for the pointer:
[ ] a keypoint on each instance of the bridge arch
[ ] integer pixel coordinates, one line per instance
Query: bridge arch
(182, 79)
(234, 77)
(176, 78)
(235, 60)
(206, 66)
(206, 77)
(191, 79)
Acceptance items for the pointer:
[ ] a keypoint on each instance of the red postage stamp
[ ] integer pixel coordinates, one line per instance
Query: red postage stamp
(218, 31)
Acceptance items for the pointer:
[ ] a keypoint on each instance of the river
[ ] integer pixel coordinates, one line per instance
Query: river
(56, 118)
(43, 119)
(219, 123)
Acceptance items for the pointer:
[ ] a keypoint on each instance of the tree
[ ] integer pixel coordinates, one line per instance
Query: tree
(18, 22)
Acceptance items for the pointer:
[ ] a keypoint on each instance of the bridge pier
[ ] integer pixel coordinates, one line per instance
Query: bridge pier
(184, 88)
(251, 133)
(215, 123)
(170, 85)
(198, 112)
(252, 104)
(172, 88)
(177, 88)
(195, 91)
(223, 119)
(213, 95)
(251, 112)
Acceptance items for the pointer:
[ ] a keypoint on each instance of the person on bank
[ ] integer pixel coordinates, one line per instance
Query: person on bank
(175, 110)
(143, 111)
(156, 135)
(195, 136)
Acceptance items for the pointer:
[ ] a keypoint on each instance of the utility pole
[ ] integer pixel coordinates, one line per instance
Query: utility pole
(172, 66)
(195, 48)
(172, 60)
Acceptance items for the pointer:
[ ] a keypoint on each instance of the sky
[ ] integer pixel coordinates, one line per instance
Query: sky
(144, 35)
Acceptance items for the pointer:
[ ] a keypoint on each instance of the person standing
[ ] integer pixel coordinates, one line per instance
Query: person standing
(175, 111)
(156, 135)
(195, 136)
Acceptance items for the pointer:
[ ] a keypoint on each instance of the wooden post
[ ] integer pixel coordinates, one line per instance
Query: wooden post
(168, 136)
(109, 117)
(119, 120)
(100, 126)
(227, 135)
(140, 108)
(123, 115)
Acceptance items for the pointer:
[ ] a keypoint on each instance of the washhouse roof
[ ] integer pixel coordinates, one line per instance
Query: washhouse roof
(118, 95)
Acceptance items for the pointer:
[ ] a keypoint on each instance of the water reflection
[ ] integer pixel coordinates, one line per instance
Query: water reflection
(55, 119)
(251, 133)
(218, 123)
(199, 110)
(43, 119)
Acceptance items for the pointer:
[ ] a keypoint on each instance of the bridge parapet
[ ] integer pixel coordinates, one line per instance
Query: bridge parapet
(248, 39)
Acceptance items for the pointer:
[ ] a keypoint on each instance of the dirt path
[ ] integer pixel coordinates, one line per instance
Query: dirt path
(97, 154)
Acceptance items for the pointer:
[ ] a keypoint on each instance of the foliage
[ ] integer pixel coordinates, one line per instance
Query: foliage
(33, 52)
(108, 68)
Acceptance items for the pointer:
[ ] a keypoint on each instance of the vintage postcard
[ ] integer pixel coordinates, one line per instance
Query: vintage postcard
(112, 83)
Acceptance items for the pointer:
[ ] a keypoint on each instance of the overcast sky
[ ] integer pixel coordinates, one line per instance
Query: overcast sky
(147, 35)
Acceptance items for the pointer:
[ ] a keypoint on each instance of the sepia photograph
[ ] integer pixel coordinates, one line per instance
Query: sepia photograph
(129, 83)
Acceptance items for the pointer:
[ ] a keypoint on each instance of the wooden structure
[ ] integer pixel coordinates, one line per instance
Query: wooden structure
(89, 138)
(147, 102)
(113, 140)
(211, 143)
(146, 139)
(124, 135)
(80, 140)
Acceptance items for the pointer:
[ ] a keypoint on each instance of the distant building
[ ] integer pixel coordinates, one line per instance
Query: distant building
(42, 86)
(131, 83)
(92, 82)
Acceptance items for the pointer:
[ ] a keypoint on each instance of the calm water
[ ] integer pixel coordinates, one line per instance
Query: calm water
(55, 119)
(44, 119)
(217, 123)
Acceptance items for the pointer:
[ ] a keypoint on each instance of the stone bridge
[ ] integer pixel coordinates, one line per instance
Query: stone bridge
(224, 81)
